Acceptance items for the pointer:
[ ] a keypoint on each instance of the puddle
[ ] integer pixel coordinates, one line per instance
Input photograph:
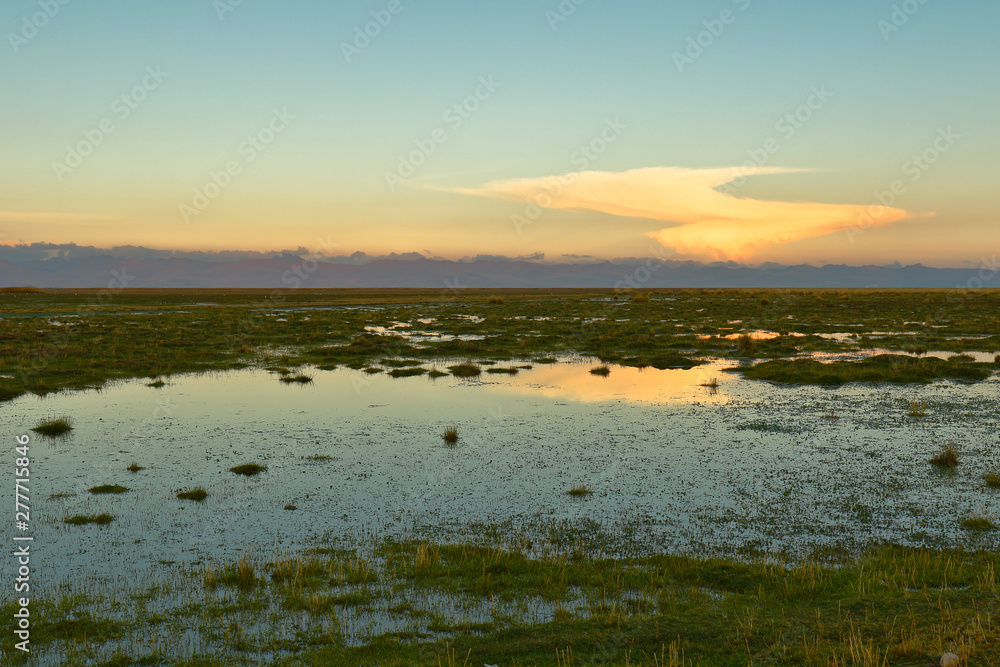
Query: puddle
(748, 463)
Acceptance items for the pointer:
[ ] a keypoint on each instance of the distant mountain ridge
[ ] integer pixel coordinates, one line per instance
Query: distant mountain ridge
(290, 271)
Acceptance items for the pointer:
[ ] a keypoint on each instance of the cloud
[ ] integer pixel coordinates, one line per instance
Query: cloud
(712, 225)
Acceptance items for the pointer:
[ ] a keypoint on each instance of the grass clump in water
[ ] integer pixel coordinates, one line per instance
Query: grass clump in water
(107, 488)
(979, 523)
(83, 519)
(450, 435)
(992, 480)
(711, 383)
(948, 458)
(248, 469)
(603, 371)
(157, 384)
(880, 368)
(406, 372)
(917, 408)
(299, 379)
(54, 427)
(466, 370)
(196, 493)
(580, 490)
(435, 373)
(241, 575)
(506, 370)
(135, 467)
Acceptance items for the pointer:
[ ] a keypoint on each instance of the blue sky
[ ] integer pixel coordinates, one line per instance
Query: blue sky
(556, 86)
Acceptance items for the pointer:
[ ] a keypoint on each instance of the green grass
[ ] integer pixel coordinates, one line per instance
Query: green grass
(503, 370)
(134, 467)
(248, 469)
(196, 493)
(450, 435)
(466, 370)
(947, 458)
(580, 490)
(108, 489)
(82, 519)
(54, 427)
(881, 368)
(992, 480)
(157, 333)
(978, 523)
(406, 372)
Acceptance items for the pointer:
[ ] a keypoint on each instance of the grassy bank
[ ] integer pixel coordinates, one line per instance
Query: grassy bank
(421, 603)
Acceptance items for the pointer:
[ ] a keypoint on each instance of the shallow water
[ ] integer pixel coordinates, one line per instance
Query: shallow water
(673, 465)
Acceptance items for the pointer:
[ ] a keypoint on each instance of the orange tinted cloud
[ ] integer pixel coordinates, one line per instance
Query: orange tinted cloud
(712, 224)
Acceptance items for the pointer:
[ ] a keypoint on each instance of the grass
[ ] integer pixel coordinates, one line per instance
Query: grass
(406, 372)
(54, 427)
(466, 370)
(157, 384)
(992, 480)
(299, 379)
(888, 606)
(881, 368)
(979, 523)
(82, 519)
(580, 490)
(134, 467)
(450, 435)
(494, 301)
(107, 489)
(248, 469)
(746, 346)
(603, 371)
(712, 382)
(948, 458)
(142, 333)
(435, 373)
(917, 408)
(503, 370)
(196, 493)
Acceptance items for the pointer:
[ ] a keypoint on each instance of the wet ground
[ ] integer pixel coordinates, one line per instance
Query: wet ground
(673, 465)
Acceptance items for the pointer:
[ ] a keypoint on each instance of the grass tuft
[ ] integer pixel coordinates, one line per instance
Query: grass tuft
(992, 480)
(248, 469)
(134, 467)
(603, 371)
(948, 458)
(54, 427)
(495, 301)
(107, 488)
(580, 490)
(450, 435)
(196, 493)
(978, 523)
(466, 370)
(917, 408)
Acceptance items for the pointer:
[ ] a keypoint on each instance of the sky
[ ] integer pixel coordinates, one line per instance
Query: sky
(791, 131)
